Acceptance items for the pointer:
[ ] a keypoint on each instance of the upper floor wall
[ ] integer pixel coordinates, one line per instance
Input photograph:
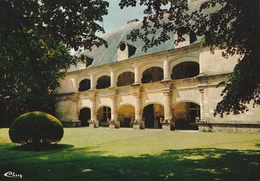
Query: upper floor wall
(214, 63)
(180, 63)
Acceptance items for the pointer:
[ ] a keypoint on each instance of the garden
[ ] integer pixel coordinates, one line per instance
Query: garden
(126, 154)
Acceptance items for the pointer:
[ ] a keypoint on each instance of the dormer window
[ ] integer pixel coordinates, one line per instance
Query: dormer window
(186, 35)
(122, 46)
(125, 51)
(193, 37)
(82, 57)
(89, 61)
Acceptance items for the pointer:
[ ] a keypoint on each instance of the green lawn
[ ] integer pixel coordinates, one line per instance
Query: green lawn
(121, 154)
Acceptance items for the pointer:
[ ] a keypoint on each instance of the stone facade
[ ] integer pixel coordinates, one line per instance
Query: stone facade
(122, 84)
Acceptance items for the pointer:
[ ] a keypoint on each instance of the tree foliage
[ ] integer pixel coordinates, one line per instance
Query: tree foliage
(231, 25)
(35, 38)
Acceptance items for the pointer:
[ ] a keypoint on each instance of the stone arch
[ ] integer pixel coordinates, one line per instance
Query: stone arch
(122, 70)
(84, 85)
(186, 100)
(184, 70)
(103, 114)
(126, 114)
(152, 74)
(126, 78)
(144, 66)
(185, 114)
(179, 60)
(84, 116)
(79, 79)
(96, 76)
(103, 82)
(152, 113)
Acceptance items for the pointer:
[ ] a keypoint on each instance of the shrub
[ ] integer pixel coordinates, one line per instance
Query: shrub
(36, 128)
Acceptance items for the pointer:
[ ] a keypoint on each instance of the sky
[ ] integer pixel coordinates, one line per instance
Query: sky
(117, 17)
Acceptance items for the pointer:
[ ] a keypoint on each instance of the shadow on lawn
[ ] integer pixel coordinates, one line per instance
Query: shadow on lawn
(85, 164)
(258, 145)
(44, 147)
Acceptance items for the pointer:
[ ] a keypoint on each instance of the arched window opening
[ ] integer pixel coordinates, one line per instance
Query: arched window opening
(103, 114)
(126, 78)
(154, 74)
(185, 115)
(84, 85)
(84, 116)
(185, 70)
(103, 82)
(152, 114)
(126, 115)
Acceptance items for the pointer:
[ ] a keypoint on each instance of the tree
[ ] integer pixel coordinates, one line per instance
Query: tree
(231, 25)
(35, 39)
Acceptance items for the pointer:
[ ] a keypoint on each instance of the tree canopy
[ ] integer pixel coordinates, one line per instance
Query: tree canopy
(35, 39)
(36, 35)
(230, 25)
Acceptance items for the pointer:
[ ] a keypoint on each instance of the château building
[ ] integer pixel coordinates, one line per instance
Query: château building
(167, 83)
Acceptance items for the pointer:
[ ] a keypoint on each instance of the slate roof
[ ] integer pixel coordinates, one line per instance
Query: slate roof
(103, 55)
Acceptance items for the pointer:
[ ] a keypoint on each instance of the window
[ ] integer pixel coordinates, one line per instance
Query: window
(122, 46)
(124, 51)
(187, 31)
(193, 37)
(185, 70)
(84, 85)
(103, 82)
(153, 74)
(89, 61)
(126, 78)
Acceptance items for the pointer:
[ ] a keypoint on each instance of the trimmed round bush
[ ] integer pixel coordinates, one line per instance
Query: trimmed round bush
(36, 128)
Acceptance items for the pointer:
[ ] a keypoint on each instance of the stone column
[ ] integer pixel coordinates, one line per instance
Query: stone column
(112, 79)
(167, 122)
(92, 83)
(138, 116)
(167, 105)
(137, 75)
(202, 118)
(114, 109)
(93, 113)
(93, 120)
(166, 70)
(138, 122)
(203, 84)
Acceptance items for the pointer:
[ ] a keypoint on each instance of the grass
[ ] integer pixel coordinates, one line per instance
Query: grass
(121, 154)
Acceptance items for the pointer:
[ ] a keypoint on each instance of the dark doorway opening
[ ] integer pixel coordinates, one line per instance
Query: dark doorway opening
(148, 115)
(104, 114)
(84, 116)
(152, 115)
